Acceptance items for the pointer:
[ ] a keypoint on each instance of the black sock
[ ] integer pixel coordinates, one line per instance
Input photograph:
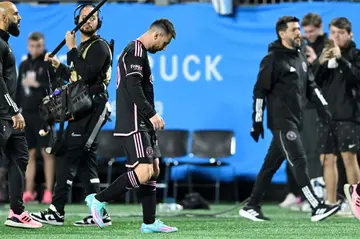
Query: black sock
(17, 211)
(148, 201)
(121, 185)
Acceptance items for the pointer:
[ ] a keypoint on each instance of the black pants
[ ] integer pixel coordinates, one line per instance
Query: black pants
(309, 138)
(74, 157)
(14, 155)
(286, 144)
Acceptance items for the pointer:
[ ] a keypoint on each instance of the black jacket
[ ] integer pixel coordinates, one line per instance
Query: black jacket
(8, 106)
(135, 91)
(284, 84)
(29, 99)
(340, 85)
(95, 69)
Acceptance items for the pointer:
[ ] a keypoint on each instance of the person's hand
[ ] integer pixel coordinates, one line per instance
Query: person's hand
(325, 56)
(310, 53)
(257, 130)
(336, 52)
(70, 40)
(157, 122)
(19, 122)
(54, 60)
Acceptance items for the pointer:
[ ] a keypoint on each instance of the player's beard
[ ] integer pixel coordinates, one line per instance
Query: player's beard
(88, 32)
(296, 42)
(13, 28)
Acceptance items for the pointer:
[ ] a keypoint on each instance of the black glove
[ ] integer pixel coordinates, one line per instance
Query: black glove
(257, 130)
(324, 115)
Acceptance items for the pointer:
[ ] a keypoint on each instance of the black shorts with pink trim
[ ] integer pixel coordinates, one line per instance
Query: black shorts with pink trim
(140, 147)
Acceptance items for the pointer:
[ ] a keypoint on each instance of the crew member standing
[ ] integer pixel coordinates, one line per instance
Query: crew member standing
(89, 62)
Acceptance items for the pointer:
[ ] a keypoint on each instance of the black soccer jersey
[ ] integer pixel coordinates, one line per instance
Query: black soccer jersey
(134, 91)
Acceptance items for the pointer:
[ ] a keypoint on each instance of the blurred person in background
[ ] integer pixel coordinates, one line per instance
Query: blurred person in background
(32, 85)
(338, 74)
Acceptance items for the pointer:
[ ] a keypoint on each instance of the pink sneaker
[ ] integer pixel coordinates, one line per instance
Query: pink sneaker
(47, 197)
(29, 197)
(353, 198)
(22, 221)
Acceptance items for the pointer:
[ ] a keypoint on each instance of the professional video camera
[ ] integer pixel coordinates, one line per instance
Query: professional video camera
(65, 103)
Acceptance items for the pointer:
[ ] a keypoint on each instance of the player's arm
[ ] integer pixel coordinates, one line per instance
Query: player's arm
(90, 67)
(4, 93)
(351, 71)
(261, 89)
(314, 95)
(134, 63)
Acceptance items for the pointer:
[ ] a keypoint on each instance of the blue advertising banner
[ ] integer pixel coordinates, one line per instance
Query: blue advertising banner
(204, 79)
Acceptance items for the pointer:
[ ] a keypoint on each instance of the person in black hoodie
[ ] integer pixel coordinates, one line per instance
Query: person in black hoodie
(314, 42)
(32, 85)
(284, 82)
(338, 74)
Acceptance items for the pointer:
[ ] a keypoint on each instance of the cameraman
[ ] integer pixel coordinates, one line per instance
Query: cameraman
(90, 62)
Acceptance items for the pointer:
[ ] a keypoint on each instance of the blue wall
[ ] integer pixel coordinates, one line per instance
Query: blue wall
(204, 79)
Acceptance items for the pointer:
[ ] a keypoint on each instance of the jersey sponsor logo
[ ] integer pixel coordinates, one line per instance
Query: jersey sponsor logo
(291, 135)
(136, 67)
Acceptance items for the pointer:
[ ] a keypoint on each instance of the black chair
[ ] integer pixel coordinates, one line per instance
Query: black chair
(173, 144)
(109, 148)
(214, 145)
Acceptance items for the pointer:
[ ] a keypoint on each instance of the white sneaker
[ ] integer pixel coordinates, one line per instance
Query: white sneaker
(289, 201)
(305, 207)
(345, 210)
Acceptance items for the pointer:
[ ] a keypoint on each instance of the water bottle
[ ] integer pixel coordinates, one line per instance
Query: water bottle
(170, 207)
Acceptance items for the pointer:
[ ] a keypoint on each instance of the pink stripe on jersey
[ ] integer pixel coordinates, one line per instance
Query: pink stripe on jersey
(138, 49)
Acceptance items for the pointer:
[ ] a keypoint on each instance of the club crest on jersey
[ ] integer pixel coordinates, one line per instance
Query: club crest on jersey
(304, 66)
(291, 135)
(149, 152)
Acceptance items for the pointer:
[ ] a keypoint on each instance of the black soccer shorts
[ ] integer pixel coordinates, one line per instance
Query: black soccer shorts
(338, 137)
(140, 147)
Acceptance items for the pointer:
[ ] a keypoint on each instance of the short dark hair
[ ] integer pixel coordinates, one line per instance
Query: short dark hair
(311, 19)
(341, 23)
(88, 5)
(36, 36)
(281, 24)
(165, 25)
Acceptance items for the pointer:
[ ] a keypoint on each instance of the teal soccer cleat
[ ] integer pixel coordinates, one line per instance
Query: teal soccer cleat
(96, 208)
(157, 227)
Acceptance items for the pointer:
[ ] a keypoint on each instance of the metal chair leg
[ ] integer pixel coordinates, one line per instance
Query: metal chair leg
(167, 181)
(175, 186)
(109, 171)
(217, 192)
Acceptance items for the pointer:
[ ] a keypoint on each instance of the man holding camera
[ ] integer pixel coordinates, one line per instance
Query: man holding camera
(338, 74)
(91, 63)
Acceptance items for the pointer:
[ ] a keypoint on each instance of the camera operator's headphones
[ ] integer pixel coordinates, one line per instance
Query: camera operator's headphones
(80, 8)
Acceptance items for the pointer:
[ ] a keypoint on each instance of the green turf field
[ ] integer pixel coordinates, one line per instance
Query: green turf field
(127, 219)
